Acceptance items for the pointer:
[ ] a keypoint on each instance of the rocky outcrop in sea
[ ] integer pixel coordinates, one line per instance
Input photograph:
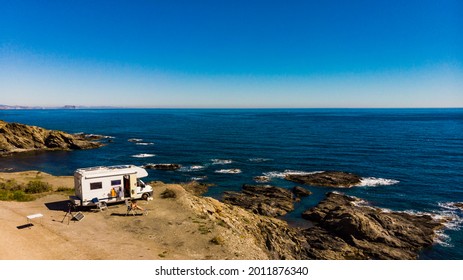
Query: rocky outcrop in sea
(348, 228)
(262, 179)
(15, 138)
(301, 192)
(163, 166)
(336, 179)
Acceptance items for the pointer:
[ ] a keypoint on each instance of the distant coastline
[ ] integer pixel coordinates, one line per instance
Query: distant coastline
(65, 107)
(97, 107)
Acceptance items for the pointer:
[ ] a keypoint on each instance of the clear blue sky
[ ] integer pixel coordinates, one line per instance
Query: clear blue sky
(232, 53)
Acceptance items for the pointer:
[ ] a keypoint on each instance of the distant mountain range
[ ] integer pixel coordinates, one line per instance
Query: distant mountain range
(68, 107)
(8, 107)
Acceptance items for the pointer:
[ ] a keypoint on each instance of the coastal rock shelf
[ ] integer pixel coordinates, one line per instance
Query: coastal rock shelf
(301, 192)
(196, 188)
(344, 227)
(15, 137)
(347, 228)
(336, 179)
(264, 200)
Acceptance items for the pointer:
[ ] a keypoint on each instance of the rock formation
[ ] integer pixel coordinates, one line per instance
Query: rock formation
(15, 137)
(346, 228)
(246, 233)
(336, 179)
(264, 200)
(93, 137)
(196, 188)
(301, 192)
(163, 166)
(262, 179)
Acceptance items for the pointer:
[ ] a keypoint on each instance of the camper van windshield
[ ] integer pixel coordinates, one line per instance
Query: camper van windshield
(140, 183)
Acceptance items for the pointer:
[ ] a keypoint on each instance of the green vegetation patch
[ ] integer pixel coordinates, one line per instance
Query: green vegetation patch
(12, 190)
(168, 193)
(37, 186)
(65, 190)
(17, 195)
(10, 185)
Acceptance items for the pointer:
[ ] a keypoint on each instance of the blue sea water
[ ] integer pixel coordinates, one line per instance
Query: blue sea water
(411, 159)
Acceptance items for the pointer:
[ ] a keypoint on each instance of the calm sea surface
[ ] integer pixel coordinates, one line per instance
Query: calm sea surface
(411, 159)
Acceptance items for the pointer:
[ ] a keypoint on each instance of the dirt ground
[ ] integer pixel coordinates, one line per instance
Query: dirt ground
(170, 230)
(26, 176)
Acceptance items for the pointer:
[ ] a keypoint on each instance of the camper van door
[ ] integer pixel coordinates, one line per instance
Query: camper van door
(126, 186)
(133, 185)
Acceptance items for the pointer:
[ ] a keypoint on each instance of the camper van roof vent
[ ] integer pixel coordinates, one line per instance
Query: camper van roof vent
(120, 166)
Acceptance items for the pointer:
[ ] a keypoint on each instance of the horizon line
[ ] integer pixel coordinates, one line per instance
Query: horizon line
(81, 107)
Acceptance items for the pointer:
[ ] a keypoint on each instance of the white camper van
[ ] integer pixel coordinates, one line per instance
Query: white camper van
(109, 184)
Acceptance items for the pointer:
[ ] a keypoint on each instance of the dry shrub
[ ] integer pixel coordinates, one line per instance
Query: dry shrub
(168, 193)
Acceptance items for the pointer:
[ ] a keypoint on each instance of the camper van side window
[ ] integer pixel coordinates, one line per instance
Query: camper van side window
(116, 182)
(95, 186)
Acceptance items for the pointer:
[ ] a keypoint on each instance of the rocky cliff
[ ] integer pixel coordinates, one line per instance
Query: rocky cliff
(344, 227)
(238, 230)
(15, 137)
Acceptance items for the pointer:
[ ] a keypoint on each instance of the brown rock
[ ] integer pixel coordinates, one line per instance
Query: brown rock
(322, 245)
(301, 192)
(251, 232)
(326, 179)
(196, 187)
(163, 166)
(262, 179)
(375, 234)
(15, 137)
(264, 200)
(168, 193)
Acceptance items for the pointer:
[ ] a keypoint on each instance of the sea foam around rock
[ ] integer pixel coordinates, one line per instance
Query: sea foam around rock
(282, 174)
(221, 161)
(373, 182)
(229, 171)
(143, 155)
(192, 168)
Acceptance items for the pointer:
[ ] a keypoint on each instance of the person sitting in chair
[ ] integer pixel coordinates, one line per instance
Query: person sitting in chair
(134, 205)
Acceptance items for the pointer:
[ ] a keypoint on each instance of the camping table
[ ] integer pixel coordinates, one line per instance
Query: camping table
(34, 216)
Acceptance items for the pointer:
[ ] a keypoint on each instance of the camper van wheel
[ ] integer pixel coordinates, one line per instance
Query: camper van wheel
(145, 196)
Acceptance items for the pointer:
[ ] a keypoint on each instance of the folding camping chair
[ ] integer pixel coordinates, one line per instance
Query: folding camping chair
(129, 207)
(100, 205)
